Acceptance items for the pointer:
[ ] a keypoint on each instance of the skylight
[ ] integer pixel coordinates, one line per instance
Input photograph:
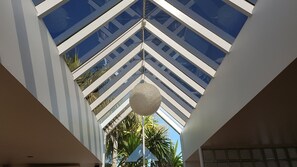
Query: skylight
(184, 43)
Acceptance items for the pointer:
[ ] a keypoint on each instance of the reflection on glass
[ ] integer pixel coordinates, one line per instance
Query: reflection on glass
(173, 92)
(105, 35)
(114, 108)
(216, 12)
(109, 99)
(169, 52)
(74, 15)
(107, 62)
(172, 74)
(186, 37)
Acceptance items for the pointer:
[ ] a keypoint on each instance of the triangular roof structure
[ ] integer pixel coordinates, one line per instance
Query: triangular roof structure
(177, 45)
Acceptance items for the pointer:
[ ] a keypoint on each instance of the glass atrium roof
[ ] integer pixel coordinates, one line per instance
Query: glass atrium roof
(111, 45)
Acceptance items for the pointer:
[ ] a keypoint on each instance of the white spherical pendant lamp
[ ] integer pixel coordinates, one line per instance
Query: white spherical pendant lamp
(145, 99)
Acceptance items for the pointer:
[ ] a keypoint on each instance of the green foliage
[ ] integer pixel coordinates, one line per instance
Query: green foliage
(102, 105)
(72, 61)
(128, 135)
(89, 77)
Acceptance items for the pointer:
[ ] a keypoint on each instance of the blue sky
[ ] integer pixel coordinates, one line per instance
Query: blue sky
(173, 135)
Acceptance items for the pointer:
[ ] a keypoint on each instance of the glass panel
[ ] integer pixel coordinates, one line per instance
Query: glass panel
(170, 54)
(74, 15)
(170, 92)
(111, 97)
(114, 108)
(107, 62)
(100, 39)
(172, 74)
(187, 38)
(37, 2)
(105, 85)
(212, 13)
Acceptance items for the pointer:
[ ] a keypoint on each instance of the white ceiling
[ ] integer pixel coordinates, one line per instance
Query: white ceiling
(28, 129)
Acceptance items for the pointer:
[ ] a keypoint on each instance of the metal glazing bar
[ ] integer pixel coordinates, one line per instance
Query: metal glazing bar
(195, 60)
(107, 50)
(93, 26)
(115, 86)
(48, 6)
(117, 99)
(171, 85)
(167, 64)
(198, 28)
(111, 71)
(115, 113)
(170, 99)
(242, 6)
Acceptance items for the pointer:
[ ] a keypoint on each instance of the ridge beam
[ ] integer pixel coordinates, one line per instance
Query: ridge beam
(193, 25)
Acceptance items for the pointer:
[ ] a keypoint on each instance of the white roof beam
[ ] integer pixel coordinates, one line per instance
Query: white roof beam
(48, 6)
(173, 114)
(242, 6)
(115, 113)
(188, 55)
(179, 73)
(112, 70)
(107, 50)
(171, 85)
(116, 85)
(94, 26)
(117, 99)
(163, 115)
(170, 99)
(193, 25)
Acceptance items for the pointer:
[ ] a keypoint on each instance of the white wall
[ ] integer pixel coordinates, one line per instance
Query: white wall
(264, 47)
(28, 52)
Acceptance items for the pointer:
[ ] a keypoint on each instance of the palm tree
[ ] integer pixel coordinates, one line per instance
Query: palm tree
(174, 159)
(158, 143)
(72, 61)
(128, 134)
